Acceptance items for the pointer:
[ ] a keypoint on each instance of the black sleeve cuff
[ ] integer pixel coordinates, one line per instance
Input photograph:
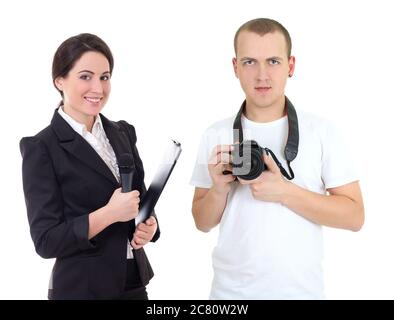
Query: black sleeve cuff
(81, 232)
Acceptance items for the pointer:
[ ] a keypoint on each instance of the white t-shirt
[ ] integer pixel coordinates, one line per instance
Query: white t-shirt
(265, 250)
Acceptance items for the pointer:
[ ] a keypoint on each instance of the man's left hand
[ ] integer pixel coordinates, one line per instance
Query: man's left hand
(270, 186)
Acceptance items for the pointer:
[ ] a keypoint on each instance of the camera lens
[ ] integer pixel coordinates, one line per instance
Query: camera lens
(249, 164)
(257, 165)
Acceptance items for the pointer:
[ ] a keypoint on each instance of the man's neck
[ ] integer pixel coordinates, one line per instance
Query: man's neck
(269, 113)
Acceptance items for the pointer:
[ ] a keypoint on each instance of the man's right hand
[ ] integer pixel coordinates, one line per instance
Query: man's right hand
(123, 206)
(219, 162)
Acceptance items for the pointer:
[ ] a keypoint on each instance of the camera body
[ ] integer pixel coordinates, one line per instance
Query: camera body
(247, 156)
(247, 160)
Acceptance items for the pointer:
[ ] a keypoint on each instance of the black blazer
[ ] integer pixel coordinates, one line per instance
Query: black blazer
(64, 180)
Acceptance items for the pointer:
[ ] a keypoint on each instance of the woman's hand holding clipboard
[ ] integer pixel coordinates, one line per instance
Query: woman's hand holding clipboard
(159, 181)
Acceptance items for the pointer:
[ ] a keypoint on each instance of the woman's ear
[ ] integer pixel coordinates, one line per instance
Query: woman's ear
(59, 83)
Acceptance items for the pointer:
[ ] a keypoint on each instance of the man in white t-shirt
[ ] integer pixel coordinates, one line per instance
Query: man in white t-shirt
(270, 241)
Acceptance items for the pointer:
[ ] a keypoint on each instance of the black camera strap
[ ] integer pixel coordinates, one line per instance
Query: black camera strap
(291, 149)
(282, 170)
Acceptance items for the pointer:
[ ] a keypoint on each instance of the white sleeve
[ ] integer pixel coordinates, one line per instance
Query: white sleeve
(200, 177)
(337, 164)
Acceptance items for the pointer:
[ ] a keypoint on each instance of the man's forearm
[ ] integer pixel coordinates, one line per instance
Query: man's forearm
(336, 211)
(208, 210)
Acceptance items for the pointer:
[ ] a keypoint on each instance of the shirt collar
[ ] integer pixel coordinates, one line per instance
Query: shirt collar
(80, 127)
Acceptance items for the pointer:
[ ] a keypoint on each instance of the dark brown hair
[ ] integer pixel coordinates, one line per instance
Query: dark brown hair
(262, 26)
(72, 49)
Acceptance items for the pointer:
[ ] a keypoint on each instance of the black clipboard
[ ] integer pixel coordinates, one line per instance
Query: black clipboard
(159, 181)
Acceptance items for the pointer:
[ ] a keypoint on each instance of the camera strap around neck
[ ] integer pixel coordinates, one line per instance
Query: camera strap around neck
(291, 149)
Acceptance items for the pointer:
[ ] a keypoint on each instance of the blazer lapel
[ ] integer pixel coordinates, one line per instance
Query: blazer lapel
(117, 137)
(79, 148)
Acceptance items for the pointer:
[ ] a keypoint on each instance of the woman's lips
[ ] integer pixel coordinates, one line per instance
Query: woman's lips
(93, 99)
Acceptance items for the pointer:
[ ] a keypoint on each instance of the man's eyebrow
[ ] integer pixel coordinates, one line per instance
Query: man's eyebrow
(267, 59)
(91, 72)
(275, 58)
(247, 58)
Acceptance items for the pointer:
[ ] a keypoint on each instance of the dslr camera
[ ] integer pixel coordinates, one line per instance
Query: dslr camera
(247, 160)
(247, 156)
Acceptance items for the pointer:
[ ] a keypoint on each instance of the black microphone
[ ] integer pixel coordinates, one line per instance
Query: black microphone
(126, 170)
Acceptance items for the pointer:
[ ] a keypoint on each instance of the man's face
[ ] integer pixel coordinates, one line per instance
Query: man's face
(262, 67)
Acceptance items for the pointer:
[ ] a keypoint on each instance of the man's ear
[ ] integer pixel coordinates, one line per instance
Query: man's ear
(59, 83)
(235, 67)
(291, 66)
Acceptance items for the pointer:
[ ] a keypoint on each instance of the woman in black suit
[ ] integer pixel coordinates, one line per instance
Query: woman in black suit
(76, 210)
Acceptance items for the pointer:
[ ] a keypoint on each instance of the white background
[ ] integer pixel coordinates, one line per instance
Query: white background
(172, 78)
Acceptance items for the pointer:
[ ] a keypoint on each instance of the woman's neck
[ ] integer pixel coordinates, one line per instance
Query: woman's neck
(81, 118)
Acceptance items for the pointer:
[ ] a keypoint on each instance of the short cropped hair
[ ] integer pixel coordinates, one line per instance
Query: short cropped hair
(262, 26)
